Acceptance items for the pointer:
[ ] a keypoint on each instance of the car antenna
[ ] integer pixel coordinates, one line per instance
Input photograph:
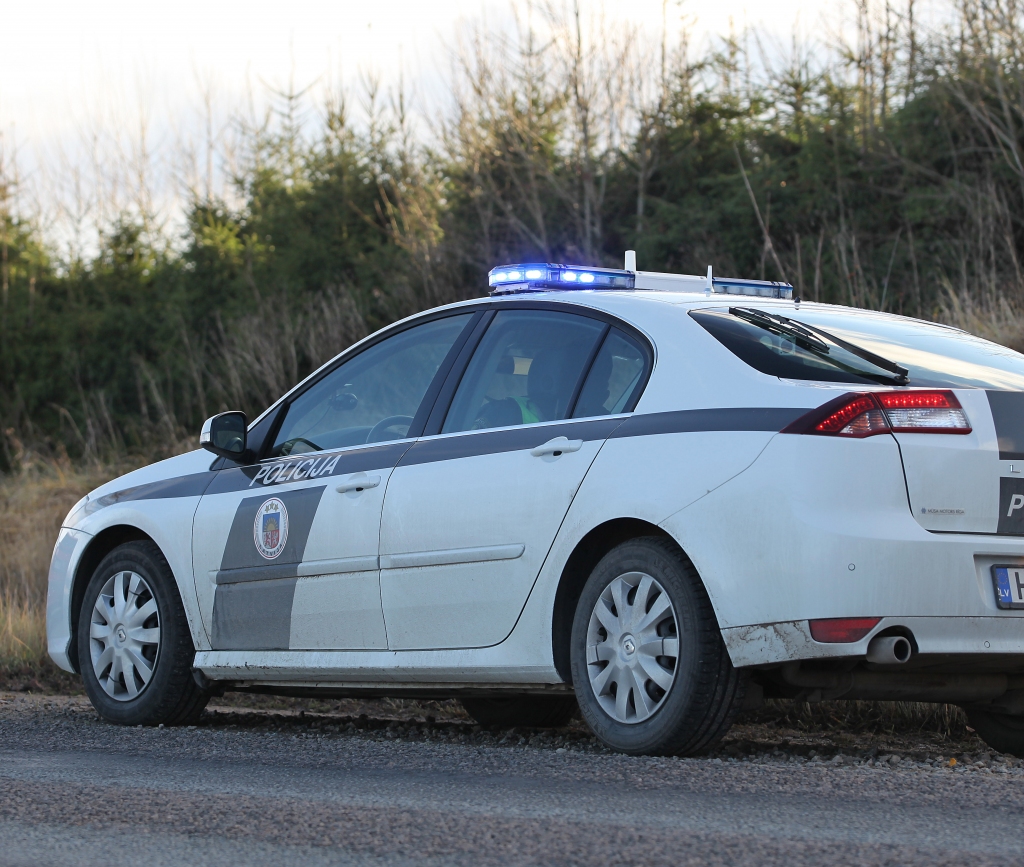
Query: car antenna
(708, 284)
(631, 260)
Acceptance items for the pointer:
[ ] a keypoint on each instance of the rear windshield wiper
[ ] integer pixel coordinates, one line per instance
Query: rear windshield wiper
(809, 337)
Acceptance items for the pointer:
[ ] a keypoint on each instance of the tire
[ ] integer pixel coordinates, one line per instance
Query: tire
(139, 625)
(1001, 731)
(532, 711)
(688, 702)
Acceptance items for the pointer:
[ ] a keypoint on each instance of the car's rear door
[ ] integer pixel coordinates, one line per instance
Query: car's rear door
(472, 510)
(285, 551)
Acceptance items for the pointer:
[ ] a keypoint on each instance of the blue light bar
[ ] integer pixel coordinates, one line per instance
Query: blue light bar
(758, 288)
(546, 276)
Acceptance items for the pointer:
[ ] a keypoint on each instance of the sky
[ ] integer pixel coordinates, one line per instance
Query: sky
(63, 61)
(76, 76)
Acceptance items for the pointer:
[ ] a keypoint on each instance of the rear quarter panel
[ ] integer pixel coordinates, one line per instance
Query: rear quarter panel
(821, 527)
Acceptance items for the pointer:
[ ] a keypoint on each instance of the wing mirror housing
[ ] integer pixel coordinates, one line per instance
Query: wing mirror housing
(225, 435)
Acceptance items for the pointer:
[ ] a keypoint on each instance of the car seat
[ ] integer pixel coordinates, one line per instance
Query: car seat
(549, 384)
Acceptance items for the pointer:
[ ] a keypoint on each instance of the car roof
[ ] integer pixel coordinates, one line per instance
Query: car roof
(622, 302)
(634, 306)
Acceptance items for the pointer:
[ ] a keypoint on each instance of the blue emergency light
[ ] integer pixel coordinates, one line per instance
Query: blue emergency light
(539, 277)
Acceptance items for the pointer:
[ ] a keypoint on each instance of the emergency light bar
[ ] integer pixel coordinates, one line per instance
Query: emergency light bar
(537, 278)
(759, 288)
(508, 279)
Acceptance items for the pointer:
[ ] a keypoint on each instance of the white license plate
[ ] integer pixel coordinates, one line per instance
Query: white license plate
(1009, 581)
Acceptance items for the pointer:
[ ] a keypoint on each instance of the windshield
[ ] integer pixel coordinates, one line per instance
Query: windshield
(935, 356)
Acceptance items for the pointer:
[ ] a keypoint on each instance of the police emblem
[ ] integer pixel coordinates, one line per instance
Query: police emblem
(270, 531)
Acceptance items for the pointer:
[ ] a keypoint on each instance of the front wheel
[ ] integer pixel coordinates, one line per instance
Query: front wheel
(135, 649)
(649, 667)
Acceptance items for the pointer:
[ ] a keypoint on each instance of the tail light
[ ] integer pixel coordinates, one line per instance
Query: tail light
(870, 413)
(842, 630)
(924, 411)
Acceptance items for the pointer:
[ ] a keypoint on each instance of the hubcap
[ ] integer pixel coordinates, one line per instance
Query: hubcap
(124, 636)
(632, 647)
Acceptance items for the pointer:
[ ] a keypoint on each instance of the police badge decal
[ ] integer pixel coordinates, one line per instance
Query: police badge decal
(270, 531)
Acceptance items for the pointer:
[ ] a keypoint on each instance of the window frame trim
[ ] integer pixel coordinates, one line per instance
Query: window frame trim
(468, 340)
(447, 394)
(429, 396)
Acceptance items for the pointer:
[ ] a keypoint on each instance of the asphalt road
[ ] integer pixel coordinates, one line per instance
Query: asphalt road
(74, 790)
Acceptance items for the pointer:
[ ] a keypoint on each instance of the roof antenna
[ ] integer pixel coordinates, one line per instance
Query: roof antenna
(708, 285)
(631, 260)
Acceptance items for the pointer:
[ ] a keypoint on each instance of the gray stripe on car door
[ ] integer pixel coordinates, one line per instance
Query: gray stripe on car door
(1008, 416)
(240, 551)
(253, 616)
(257, 614)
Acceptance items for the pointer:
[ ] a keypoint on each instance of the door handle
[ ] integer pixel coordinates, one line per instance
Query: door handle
(358, 482)
(556, 447)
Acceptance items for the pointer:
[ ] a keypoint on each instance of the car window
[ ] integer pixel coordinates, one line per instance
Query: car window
(779, 355)
(525, 370)
(372, 397)
(934, 355)
(615, 377)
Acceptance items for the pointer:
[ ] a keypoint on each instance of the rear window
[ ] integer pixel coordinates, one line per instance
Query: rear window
(936, 356)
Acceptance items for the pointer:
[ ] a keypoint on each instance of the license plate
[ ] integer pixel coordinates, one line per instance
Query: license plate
(1009, 581)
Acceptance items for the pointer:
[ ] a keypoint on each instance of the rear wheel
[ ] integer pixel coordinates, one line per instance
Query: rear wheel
(1001, 731)
(134, 645)
(650, 669)
(534, 711)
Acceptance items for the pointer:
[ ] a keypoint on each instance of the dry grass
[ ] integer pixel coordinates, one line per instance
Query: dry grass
(22, 634)
(866, 717)
(998, 320)
(33, 504)
(24, 662)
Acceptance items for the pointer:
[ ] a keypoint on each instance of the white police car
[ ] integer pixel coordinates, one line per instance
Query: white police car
(658, 496)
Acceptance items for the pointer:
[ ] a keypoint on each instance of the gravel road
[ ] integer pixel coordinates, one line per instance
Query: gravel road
(258, 786)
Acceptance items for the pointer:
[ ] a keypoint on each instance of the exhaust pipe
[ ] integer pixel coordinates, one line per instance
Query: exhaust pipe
(891, 650)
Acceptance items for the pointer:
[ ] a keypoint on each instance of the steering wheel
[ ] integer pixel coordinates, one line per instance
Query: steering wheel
(385, 423)
(293, 442)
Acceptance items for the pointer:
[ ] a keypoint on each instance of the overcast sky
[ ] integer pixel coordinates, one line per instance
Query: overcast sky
(62, 60)
(75, 76)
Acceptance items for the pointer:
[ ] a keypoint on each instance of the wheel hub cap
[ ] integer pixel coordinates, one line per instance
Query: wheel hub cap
(124, 636)
(632, 647)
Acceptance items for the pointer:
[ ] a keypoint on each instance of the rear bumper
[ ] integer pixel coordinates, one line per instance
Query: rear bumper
(974, 640)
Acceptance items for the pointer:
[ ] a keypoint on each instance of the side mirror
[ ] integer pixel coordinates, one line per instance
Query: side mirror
(225, 434)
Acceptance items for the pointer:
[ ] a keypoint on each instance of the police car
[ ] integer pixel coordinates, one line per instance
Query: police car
(656, 496)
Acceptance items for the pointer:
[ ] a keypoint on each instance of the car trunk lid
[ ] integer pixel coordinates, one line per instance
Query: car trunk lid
(954, 481)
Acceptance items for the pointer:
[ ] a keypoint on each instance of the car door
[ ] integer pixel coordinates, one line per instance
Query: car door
(471, 511)
(285, 551)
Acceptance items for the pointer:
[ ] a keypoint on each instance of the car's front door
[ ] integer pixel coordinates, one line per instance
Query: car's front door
(285, 551)
(471, 512)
